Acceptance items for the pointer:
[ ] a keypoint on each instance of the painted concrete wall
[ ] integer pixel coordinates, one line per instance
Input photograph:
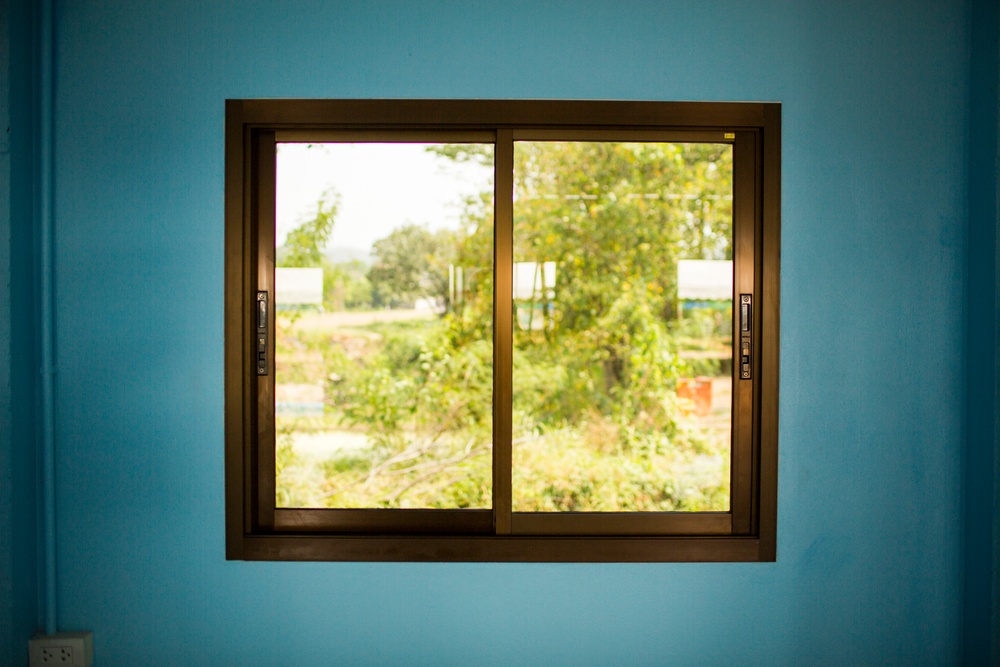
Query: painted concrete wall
(875, 211)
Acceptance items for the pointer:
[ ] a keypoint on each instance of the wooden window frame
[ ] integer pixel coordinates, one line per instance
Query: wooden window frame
(257, 530)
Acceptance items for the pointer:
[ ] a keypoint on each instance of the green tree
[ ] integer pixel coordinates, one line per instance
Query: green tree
(303, 247)
(346, 286)
(615, 218)
(609, 213)
(615, 214)
(411, 263)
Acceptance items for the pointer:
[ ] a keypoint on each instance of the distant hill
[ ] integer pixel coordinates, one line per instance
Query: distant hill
(345, 254)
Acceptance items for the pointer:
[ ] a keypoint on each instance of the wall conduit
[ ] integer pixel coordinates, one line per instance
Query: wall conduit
(46, 85)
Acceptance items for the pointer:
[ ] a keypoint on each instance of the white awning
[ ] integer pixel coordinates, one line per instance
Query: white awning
(298, 286)
(533, 280)
(705, 279)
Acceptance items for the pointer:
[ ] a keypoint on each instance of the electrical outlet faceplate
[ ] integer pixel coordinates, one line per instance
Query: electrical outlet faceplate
(69, 649)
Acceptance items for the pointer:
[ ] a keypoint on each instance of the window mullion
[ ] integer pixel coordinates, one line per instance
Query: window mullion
(503, 253)
(265, 232)
(745, 205)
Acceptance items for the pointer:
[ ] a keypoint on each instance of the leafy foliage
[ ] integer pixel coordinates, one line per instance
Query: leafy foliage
(304, 245)
(411, 263)
(346, 286)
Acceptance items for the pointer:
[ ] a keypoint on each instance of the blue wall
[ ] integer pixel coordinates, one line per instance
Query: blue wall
(876, 196)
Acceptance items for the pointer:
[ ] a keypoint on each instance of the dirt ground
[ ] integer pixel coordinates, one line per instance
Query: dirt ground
(331, 321)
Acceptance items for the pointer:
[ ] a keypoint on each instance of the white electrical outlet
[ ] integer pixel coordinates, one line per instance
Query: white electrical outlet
(70, 649)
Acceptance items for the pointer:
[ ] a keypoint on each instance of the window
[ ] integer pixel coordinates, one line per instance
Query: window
(501, 330)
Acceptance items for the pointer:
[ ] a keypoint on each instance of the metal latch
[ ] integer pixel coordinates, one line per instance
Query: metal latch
(746, 328)
(261, 336)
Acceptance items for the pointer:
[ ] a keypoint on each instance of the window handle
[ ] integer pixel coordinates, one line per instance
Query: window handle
(746, 329)
(261, 335)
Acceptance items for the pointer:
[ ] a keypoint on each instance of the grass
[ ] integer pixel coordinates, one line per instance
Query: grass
(577, 467)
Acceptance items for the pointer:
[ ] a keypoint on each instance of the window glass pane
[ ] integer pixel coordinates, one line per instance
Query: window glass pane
(383, 383)
(622, 371)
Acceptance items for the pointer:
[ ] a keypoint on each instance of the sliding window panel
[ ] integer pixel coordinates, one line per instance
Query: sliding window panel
(623, 325)
(383, 287)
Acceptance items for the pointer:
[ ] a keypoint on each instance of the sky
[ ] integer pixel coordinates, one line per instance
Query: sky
(381, 187)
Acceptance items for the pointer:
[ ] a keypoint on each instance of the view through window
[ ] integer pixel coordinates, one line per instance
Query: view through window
(383, 390)
(622, 371)
(622, 304)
